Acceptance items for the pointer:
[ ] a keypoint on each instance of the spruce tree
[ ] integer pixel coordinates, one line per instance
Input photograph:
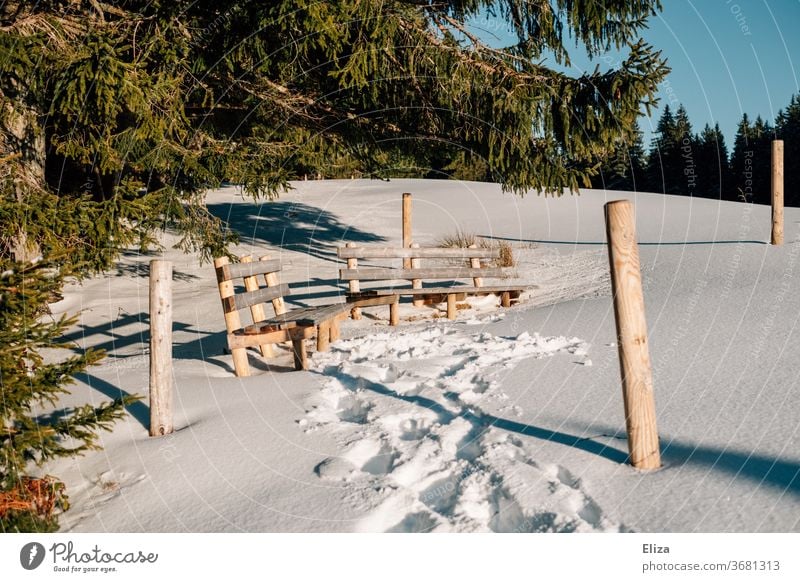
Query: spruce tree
(787, 126)
(682, 178)
(713, 167)
(751, 161)
(624, 167)
(31, 431)
(662, 159)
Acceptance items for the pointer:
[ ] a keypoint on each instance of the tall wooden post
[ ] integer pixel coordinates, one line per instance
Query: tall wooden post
(634, 354)
(160, 348)
(406, 226)
(777, 192)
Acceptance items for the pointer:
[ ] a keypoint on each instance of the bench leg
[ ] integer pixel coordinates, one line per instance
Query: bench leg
(266, 350)
(451, 306)
(323, 336)
(335, 332)
(355, 313)
(300, 354)
(505, 299)
(394, 313)
(240, 364)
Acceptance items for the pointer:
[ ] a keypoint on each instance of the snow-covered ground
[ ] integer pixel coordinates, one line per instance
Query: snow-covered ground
(503, 420)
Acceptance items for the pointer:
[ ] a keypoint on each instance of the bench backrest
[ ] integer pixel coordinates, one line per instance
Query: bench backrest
(473, 265)
(254, 295)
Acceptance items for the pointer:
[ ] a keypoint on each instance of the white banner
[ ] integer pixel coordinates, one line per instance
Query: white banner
(389, 557)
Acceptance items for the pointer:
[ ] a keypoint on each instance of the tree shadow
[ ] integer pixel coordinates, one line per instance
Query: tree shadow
(642, 244)
(291, 225)
(143, 270)
(137, 409)
(118, 339)
(781, 474)
(776, 472)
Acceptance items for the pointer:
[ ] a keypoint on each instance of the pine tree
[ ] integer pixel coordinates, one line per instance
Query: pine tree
(135, 107)
(624, 167)
(787, 126)
(30, 384)
(661, 160)
(682, 178)
(751, 161)
(713, 167)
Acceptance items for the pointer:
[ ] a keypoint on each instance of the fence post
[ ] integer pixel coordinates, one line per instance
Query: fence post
(160, 348)
(777, 192)
(406, 226)
(634, 354)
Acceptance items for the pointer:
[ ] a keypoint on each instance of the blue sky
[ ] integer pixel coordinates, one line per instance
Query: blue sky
(727, 57)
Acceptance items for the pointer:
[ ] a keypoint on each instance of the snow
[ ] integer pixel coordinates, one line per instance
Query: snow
(503, 420)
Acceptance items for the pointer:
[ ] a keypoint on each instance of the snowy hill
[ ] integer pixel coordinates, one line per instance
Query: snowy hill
(503, 420)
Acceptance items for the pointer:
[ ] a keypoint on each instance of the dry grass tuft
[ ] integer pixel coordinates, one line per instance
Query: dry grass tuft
(460, 240)
(463, 240)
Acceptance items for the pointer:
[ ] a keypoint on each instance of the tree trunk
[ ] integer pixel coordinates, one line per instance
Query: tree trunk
(22, 163)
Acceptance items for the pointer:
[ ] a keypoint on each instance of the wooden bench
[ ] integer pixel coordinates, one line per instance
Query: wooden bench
(293, 326)
(474, 268)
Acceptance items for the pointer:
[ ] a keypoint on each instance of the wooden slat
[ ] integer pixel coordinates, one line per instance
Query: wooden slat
(232, 271)
(485, 290)
(412, 253)
(240, 340)
(381, 274)
(271, 279)
(310, 315)
(242, 300)
(364, 300)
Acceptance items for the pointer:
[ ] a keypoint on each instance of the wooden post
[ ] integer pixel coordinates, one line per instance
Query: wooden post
(777, 192)
(406, 227)
(300, 354)
(160, 348)
(634, 354)
(232, 322)
(416, 283)
(354, 285)
(256, 311)
(394, 314)
(323, 336)
(451, 306)
(271, 279)
(475, 263)
(335, 333)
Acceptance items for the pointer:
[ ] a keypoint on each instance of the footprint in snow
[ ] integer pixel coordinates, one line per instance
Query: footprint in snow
(424, 443)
